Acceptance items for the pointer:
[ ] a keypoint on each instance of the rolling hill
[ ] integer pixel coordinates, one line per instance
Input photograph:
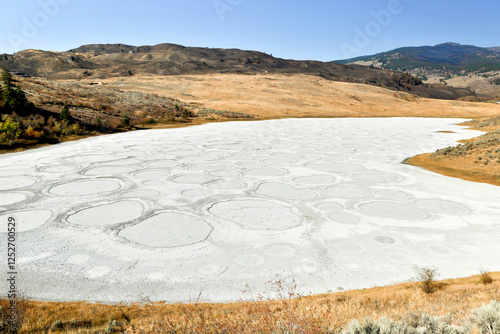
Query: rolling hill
(476, 67)
(450, 58)
(101, 61)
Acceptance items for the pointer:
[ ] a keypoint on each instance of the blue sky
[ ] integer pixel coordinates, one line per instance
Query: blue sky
(315, 29)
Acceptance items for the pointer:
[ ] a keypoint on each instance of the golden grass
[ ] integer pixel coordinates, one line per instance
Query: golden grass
(282, 96)
(313, 314)
(461, 167)
(479, 163)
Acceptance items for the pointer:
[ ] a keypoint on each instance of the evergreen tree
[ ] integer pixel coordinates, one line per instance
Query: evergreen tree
(65, 114)
(7, 86)
(12, 96)
(126, 120)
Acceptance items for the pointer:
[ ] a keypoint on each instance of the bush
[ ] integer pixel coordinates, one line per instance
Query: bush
(487, 318)
(485, 276)
(426, 276)
(9, 126)
(125, 120)
(57, 325)
(65, 114)
(423, 324)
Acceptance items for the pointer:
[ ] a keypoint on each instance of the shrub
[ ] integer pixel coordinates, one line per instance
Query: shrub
(423, 324)
(125, 120)
(485, 276)
(9, 126)
(487, 318)
(426, 276)
(65, 114)
(56, 325)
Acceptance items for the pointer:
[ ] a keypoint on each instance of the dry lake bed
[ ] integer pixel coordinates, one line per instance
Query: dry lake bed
(196, 214)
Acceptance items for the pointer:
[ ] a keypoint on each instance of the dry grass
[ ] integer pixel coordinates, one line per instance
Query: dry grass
(281, 96)
(327, 313)
(477, 159)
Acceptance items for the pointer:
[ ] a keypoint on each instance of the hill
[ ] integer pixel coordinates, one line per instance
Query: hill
(100, 61)
(280, 95)
(441, 63)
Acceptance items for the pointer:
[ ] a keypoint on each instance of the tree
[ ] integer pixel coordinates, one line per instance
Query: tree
(7, 86)
(65, 114)
(125, 120)
(6, 77)
(12, 96)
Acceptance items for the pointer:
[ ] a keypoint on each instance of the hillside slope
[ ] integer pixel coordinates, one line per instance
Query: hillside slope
(278, 96)
(113, 60)
(451, 58)
(450, 63)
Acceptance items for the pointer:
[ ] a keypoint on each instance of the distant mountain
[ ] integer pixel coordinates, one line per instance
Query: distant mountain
(495, 49)
(445, 58)
(112, 60)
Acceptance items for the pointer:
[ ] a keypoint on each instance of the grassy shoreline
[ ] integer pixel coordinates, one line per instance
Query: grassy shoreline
(476, 159)
(326, 313)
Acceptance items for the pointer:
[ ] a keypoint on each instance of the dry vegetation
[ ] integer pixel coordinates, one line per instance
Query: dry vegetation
(477, 159)
(91, 110)
(484, 84)
(121, 104)
(283, 96)
(106, 106)
(454, 300)
(157, 100)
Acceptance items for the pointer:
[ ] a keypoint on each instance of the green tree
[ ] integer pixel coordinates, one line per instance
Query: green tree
(7, 86)
(65, 114)
(125, 120)
(12, 96)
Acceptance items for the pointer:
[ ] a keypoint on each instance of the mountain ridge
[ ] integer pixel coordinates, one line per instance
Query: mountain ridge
(100, 61)
(447, 57)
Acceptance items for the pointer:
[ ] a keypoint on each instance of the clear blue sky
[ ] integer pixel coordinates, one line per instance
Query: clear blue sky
(315, 29)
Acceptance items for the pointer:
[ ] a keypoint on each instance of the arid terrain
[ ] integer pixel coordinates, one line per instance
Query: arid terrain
(282, 96)
(452, 303)
(484, 84)
(101, 61)
(477, 159)
(100, 101)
